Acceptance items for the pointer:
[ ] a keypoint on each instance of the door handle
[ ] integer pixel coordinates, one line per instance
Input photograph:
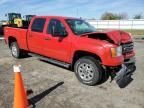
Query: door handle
(47, 38)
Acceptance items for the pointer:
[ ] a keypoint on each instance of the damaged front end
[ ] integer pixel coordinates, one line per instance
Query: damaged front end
(123, 76)
(121, 72)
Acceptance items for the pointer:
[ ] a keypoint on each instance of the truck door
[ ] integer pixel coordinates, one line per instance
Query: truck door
(58, 46)
(36, 36)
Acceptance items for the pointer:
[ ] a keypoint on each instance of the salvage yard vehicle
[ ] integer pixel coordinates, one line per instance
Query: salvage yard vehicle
(15, 20)
(73, 43)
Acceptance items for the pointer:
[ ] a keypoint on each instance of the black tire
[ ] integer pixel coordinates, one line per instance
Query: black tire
(105, 77)
(15, 50)
(93, 77)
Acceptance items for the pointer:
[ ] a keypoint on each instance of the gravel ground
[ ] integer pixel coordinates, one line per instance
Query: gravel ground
(57, 87)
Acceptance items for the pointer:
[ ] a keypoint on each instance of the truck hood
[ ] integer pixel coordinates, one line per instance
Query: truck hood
(113, 36)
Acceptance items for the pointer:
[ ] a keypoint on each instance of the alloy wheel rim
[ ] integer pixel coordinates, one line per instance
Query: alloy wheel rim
(14, 50)
(86, 71)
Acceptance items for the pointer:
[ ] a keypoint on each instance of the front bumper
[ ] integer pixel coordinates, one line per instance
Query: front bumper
(123, 77)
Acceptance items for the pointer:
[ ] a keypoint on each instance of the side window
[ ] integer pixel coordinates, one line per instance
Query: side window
(57, 25)
(38, 25)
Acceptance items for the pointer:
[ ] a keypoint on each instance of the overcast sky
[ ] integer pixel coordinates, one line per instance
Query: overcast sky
(74, 8)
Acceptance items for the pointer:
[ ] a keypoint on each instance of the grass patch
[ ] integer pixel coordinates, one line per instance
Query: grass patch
(136, 32)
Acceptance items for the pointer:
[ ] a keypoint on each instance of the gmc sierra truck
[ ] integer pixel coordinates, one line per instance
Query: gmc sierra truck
(74, 43)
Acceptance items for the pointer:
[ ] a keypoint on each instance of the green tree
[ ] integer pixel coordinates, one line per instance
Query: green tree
(109, 16)
(114, 16)
(138, 16)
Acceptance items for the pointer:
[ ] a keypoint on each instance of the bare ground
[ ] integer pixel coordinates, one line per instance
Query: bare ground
(56, 87)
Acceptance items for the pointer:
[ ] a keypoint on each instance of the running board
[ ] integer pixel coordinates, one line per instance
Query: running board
(60, 63)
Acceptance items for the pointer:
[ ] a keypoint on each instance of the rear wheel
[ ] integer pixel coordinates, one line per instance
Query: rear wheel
(15, 50)
(88, 70)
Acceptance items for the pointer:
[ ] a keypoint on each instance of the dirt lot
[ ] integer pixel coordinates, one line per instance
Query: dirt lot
(56, 87)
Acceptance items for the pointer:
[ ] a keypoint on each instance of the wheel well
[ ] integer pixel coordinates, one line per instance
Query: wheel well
(79, 54)
(10, 40)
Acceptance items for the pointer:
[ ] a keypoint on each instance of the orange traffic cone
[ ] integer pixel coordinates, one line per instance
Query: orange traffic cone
(20, 97)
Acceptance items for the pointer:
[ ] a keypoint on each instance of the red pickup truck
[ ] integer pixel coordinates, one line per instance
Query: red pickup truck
(74, 43)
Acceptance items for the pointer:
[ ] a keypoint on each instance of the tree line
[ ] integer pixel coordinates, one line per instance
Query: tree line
(121, 16)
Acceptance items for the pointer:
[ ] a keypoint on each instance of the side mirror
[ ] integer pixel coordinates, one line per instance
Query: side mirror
(56, 32)
(64, 33)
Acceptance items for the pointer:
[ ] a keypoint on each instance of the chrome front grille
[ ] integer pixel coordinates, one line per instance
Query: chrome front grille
(127, 47)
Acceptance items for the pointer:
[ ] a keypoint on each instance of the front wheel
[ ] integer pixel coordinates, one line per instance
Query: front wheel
(88, 70)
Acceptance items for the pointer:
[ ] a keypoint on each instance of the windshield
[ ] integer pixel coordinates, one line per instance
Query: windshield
(79, 26)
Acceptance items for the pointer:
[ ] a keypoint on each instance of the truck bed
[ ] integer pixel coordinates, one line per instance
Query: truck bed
(20, 35)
